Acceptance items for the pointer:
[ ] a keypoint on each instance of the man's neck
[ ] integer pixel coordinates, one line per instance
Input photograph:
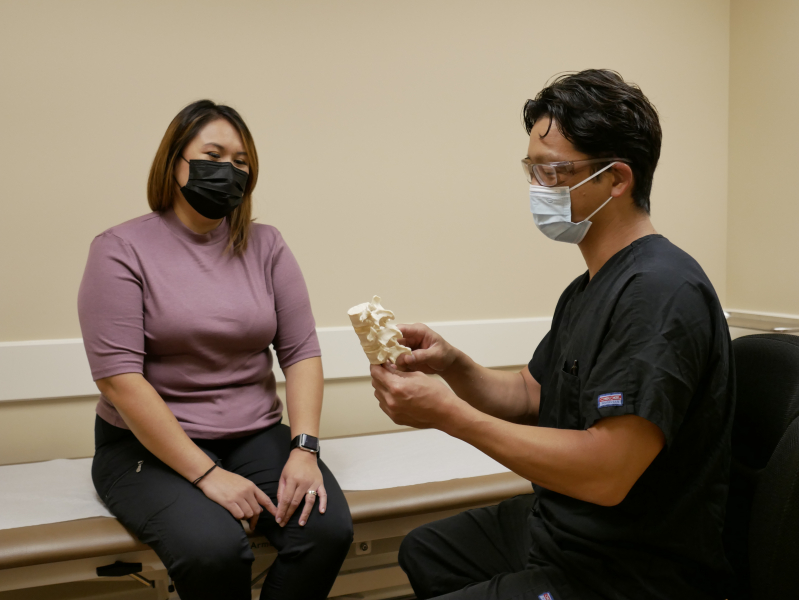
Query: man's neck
(602, 242)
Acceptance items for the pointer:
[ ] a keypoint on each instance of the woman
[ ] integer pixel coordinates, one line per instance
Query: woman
(177, 309)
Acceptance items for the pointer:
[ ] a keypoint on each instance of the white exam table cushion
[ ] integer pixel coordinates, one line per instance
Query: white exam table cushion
(389, 460)
(62, 490)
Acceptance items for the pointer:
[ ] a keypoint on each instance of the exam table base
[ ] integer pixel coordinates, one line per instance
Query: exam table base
(370, 571)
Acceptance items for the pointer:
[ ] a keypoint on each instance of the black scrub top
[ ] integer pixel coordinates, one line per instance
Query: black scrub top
(646, 336)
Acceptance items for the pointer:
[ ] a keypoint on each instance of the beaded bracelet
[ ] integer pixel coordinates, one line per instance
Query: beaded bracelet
(200, 478)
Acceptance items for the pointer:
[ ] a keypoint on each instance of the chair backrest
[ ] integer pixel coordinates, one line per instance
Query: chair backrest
(761, 532)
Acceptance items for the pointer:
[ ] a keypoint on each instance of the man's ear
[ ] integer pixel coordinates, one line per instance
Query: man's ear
(622, 179)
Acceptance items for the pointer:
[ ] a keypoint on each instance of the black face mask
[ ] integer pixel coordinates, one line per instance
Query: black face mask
(214, 189)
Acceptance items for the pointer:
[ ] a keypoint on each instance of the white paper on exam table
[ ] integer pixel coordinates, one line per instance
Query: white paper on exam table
(62, 490)
(48, 492)
(389, 460)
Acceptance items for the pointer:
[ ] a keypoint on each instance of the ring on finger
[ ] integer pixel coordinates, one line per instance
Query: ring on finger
(312, 492)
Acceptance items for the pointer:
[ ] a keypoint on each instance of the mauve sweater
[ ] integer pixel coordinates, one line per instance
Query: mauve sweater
(160, 300)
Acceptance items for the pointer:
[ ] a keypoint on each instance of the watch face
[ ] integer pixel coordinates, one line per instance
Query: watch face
(311, 443)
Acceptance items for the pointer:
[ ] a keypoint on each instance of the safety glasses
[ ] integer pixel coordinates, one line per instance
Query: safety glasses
(555, 173)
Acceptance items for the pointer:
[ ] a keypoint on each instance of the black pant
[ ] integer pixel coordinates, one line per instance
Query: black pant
(203, 547)
(484, 554)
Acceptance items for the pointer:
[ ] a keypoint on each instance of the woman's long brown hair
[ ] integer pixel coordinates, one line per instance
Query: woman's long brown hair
(161, 185)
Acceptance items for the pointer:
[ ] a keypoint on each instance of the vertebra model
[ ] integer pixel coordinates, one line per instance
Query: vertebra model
(378, 338)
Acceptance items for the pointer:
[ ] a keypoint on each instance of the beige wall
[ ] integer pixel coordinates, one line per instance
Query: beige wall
(764, 151)
(372, 119)
(64, 427)
(379, 125)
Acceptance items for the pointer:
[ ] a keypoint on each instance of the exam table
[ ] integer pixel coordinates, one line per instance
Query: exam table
(71, 551)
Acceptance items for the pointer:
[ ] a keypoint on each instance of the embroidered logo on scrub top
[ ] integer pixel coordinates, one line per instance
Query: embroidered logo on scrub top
(546, 596)
(614, 399)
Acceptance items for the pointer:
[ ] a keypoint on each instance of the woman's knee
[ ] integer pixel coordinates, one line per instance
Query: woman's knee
(332, 531)
(206, 555)
(334, 527)
(325, 538)
(342, 534)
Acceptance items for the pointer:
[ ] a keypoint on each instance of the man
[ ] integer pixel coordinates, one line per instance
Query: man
(622, 418)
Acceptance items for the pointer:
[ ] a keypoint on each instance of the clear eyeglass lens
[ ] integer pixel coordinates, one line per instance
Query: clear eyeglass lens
(527, 173)
(546, 175)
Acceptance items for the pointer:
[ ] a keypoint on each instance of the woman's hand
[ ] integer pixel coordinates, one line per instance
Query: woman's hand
(300, 475)
(431, 353)
(240, 496)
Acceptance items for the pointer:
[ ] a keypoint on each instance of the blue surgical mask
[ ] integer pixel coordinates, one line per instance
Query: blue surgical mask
(552, 211)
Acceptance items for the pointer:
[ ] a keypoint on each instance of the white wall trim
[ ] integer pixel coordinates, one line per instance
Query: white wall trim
(760, 313)
(41, 369)
(764, 322)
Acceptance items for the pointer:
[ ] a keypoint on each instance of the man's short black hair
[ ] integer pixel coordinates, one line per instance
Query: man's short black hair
(602, 115)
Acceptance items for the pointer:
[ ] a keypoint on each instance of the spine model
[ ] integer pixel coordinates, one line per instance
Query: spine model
(378, 338)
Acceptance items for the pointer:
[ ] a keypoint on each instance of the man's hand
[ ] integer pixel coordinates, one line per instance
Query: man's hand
(431, 353)
(240, 496)
(413, 399)
(300, 475)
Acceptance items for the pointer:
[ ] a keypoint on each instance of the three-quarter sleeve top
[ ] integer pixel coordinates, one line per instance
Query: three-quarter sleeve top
(161, 300)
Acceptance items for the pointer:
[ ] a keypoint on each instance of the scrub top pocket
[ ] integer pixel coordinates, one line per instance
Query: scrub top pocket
(567, 390)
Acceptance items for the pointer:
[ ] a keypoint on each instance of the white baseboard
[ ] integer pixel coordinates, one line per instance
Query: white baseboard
(42, 369)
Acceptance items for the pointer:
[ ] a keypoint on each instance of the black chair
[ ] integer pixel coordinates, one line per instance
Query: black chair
(761, 533)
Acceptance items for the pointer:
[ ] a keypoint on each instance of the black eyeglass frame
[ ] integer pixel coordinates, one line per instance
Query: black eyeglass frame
(559, 170)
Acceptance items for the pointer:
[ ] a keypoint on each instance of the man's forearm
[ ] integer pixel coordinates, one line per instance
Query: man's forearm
(571, 462)
(501, 394)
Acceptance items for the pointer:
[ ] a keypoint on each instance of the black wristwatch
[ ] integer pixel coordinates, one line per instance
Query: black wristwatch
(307, 442)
